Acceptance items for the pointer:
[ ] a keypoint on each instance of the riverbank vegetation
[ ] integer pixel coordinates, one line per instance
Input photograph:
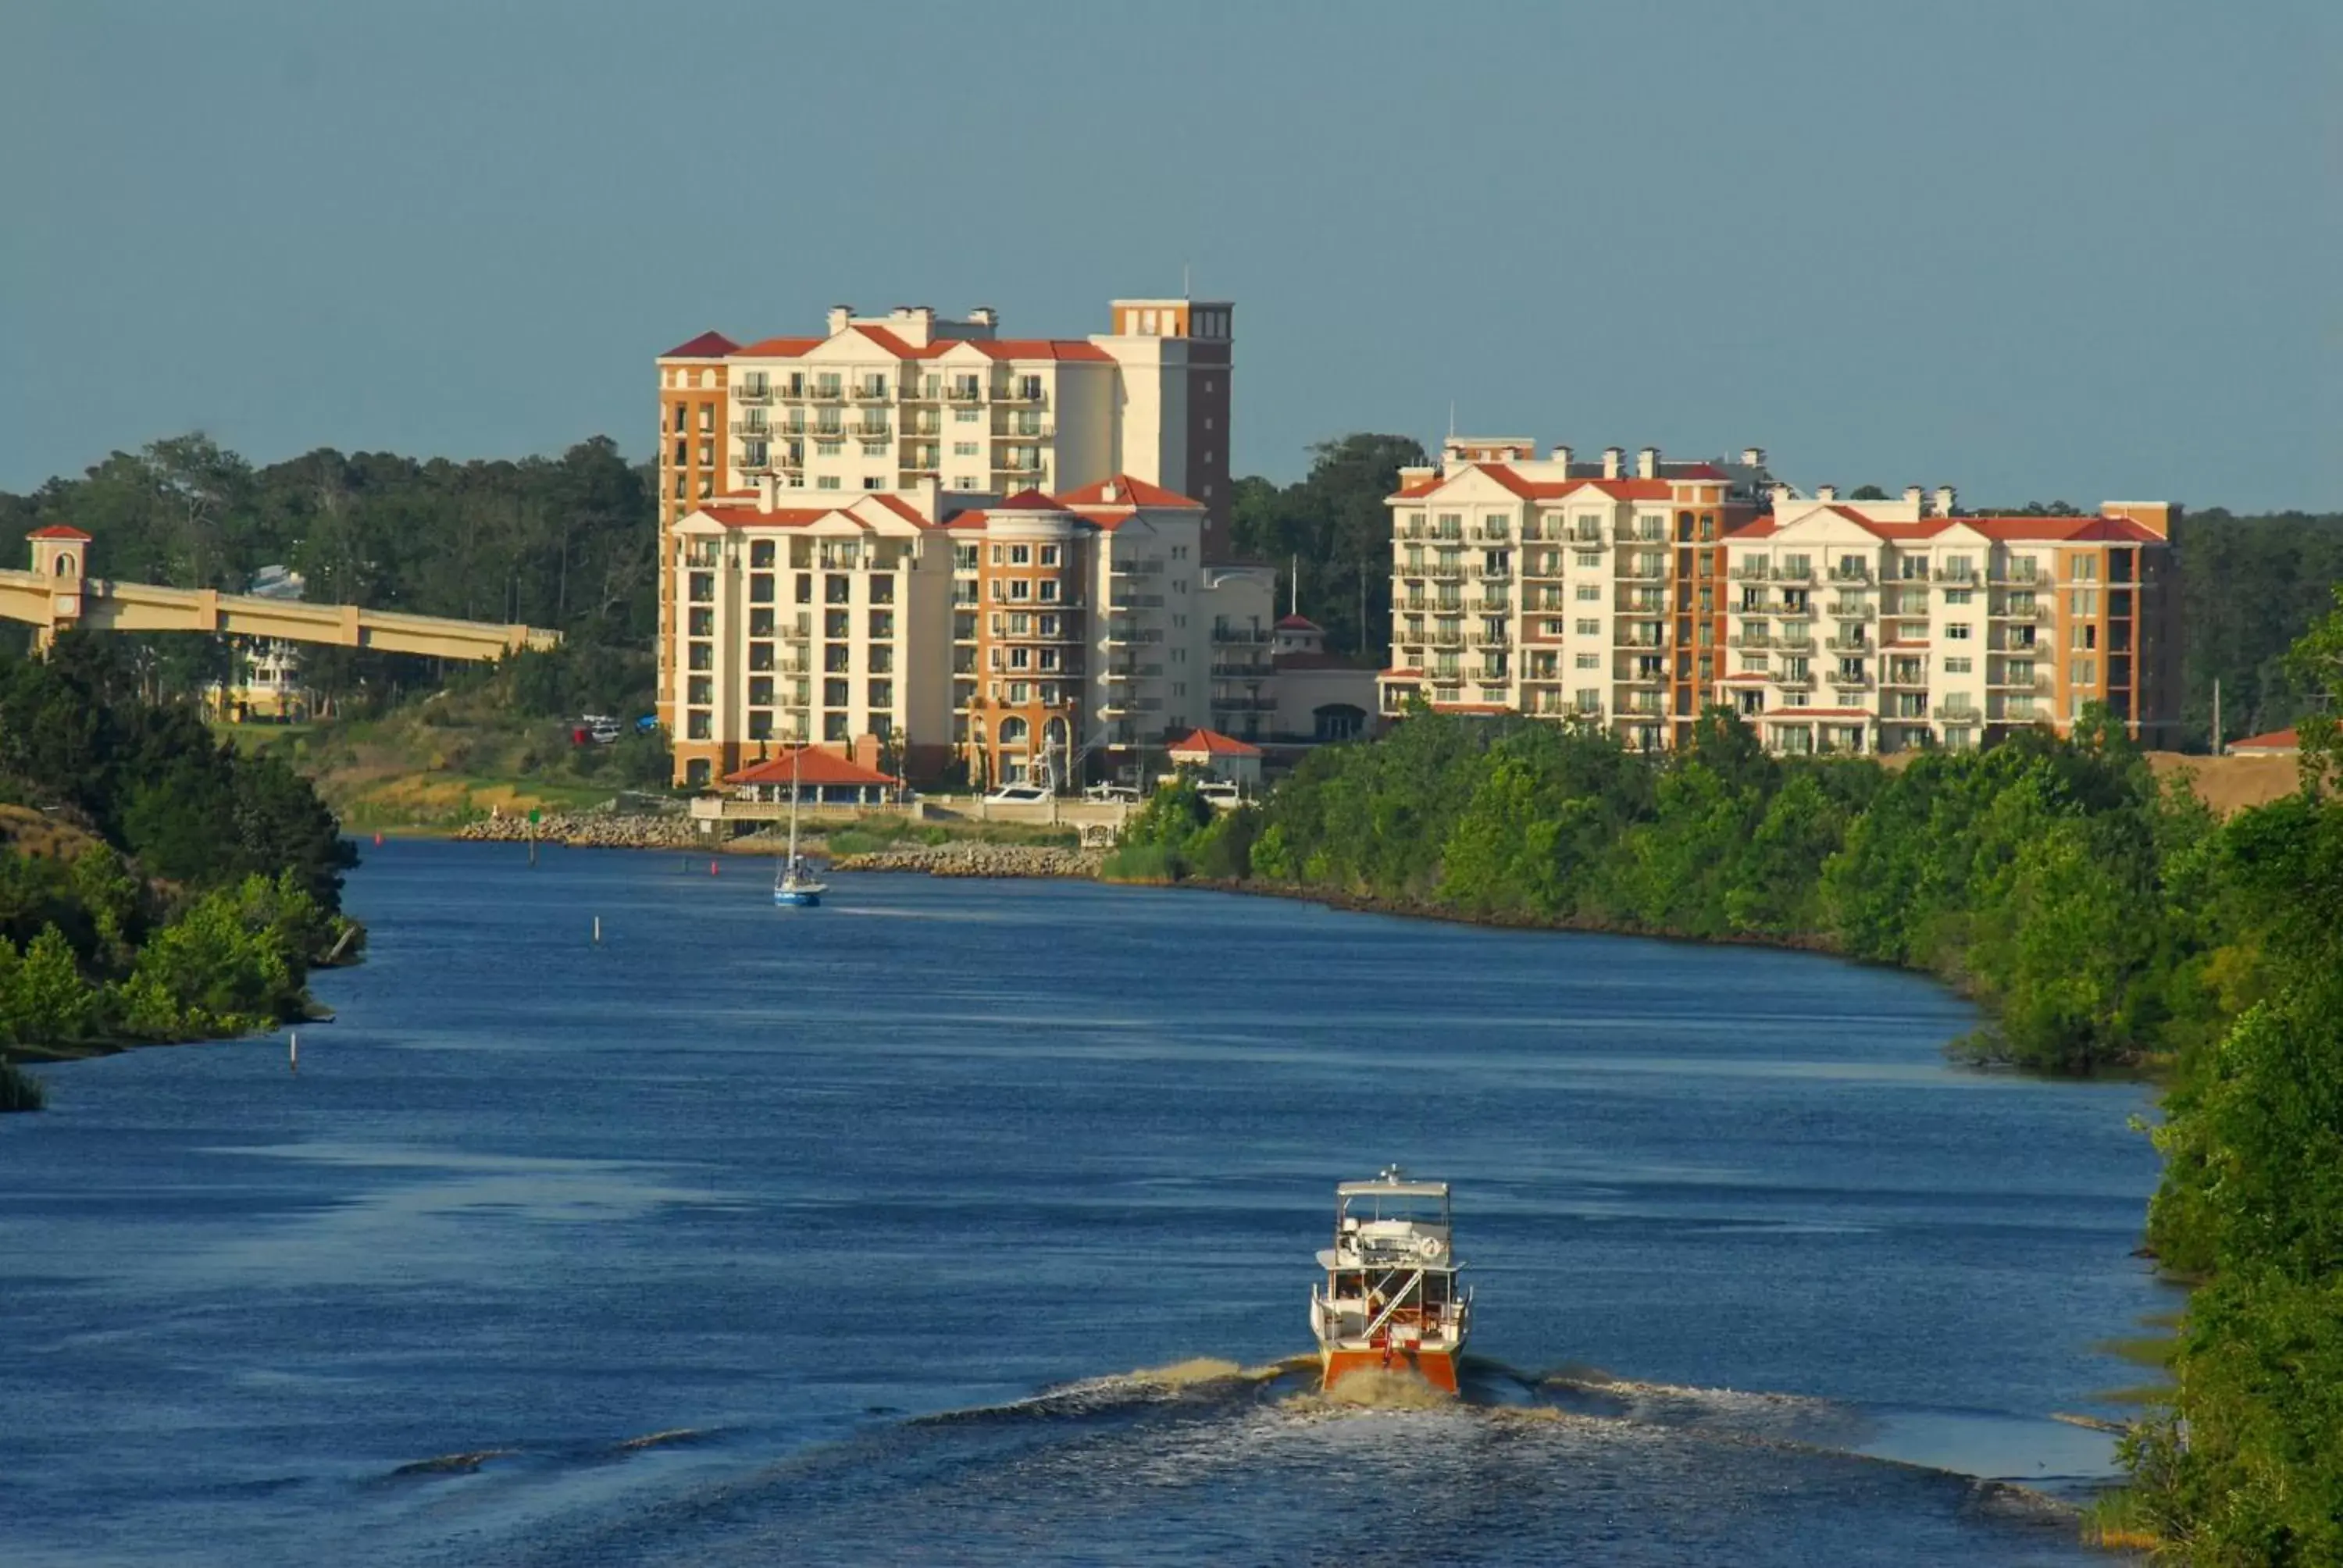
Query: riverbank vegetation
(155, 885)
(2099, 917)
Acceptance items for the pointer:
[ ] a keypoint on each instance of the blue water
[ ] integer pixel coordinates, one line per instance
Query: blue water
(864, 1216)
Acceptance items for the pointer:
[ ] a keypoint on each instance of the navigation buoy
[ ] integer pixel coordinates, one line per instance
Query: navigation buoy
(293, 1051)
(712, 868)
(598, 931)
(377, 840)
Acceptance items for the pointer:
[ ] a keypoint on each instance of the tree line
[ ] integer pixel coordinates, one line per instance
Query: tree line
(2100, 918)
(155, 884)
(567, 542)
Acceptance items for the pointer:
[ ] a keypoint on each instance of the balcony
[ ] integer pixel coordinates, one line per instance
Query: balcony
(1906, 677)
(1446, 639)
(1790, 643)
(828, 394)
(1789, 681)
(1963, 714)
(1781, 574)
(1954, 577)
(1244, 669)
(1228, 635)
(752, 396)
(1750, 572)
(1494, 573)
(2013, 577)
(874, 392)
(1448, 573)
(1643, 571)
(1246, 704)
(753, 430)
(1843, 681)
(1849, 645)
(2038, 684)
(1853, 611)
(1022, 396)
(871, 431)
(964, 395)
(1750, 641)
(1859, 573)
(1026, 433)
(1491, 639)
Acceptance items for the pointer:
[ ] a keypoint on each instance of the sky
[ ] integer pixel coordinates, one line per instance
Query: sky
(2076, 249)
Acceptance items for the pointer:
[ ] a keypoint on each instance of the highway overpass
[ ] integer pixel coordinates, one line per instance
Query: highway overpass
(56, 595)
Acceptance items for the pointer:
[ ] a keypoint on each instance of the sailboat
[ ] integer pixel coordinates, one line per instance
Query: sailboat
(794, 886)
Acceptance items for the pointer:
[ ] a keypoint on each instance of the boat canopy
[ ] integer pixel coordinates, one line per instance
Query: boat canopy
(1391, 1190)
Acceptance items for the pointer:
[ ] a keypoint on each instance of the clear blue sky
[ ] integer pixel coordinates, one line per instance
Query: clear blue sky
(2043, 248)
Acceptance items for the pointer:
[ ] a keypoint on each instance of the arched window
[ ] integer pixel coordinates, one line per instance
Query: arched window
(1014, 730)
(1338, 721)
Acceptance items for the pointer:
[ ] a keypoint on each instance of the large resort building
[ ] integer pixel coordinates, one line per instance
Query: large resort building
(916, 538)
(1636, 595)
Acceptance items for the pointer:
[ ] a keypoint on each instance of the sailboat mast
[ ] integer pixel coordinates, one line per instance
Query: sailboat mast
(791, 863)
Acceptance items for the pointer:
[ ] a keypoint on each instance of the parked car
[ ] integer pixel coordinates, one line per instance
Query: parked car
(1017, 795)
(1110, 792)
(1221, 793)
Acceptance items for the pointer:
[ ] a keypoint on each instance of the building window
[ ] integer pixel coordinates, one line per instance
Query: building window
(1958, 664)
(826, 482)
(698, 725)
(1956, 631)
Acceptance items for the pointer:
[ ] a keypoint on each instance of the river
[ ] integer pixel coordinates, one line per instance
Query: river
(849, 1235)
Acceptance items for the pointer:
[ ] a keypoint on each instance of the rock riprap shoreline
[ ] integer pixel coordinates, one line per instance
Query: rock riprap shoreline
(589, 829)
(977, 860)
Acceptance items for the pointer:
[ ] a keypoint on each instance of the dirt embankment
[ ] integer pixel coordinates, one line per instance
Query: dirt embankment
(2231, 784)
(588, 829)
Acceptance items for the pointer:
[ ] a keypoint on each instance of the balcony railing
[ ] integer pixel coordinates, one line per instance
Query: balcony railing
(1240, 636)
(1857, 573)
(875, 392)
(828, 394)
(1242, 669)
(1906, 677)
(747, 396)
(1446, 639)
(1752, 642)
(1491, 639)
(1956, 577)
(1849, 644)
(753, 430)
(1783, 573)
(1855, 611)
(1032, 397)
(1960, 715)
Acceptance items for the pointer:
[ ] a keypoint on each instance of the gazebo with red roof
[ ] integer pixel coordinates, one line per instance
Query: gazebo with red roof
(1218, 755)
(822, 777)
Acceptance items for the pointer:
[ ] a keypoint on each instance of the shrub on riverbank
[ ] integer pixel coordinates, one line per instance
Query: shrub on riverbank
(19, 1089)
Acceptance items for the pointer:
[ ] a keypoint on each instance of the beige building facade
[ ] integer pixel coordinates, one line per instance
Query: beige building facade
(1636, 596)
(910, 401)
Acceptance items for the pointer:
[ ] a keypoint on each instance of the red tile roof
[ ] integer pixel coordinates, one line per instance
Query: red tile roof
(1624, 489)
(1212, 743)
(814, 766)
(1298, 623)
(707, 345)
(1024, 348)
(2277, 742)
(1030, 501)
(58, 531)
(1128, 492)
(777, 347)
(756, 517)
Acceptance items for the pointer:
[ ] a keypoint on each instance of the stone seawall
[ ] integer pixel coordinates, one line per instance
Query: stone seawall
(977, 860)
(589, 829)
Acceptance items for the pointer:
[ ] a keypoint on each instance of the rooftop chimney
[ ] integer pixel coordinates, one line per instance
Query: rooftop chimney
(1561, 455)
(839, 315)
(1613, 458)
(1826, 492)
(1752, 457)
(1647, 463)
(1111, 493)
(1779, 495)
(1944, 500)
(1912, 494)
(768, 491)
(985, 316)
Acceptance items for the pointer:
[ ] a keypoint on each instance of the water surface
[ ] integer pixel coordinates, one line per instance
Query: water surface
(753, 1235)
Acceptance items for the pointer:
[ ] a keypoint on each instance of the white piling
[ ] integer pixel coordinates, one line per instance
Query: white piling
(598, 931)
(293, 1051)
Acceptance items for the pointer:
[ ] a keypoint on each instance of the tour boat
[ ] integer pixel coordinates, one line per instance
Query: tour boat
(1392, 1300)
(794, 884)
